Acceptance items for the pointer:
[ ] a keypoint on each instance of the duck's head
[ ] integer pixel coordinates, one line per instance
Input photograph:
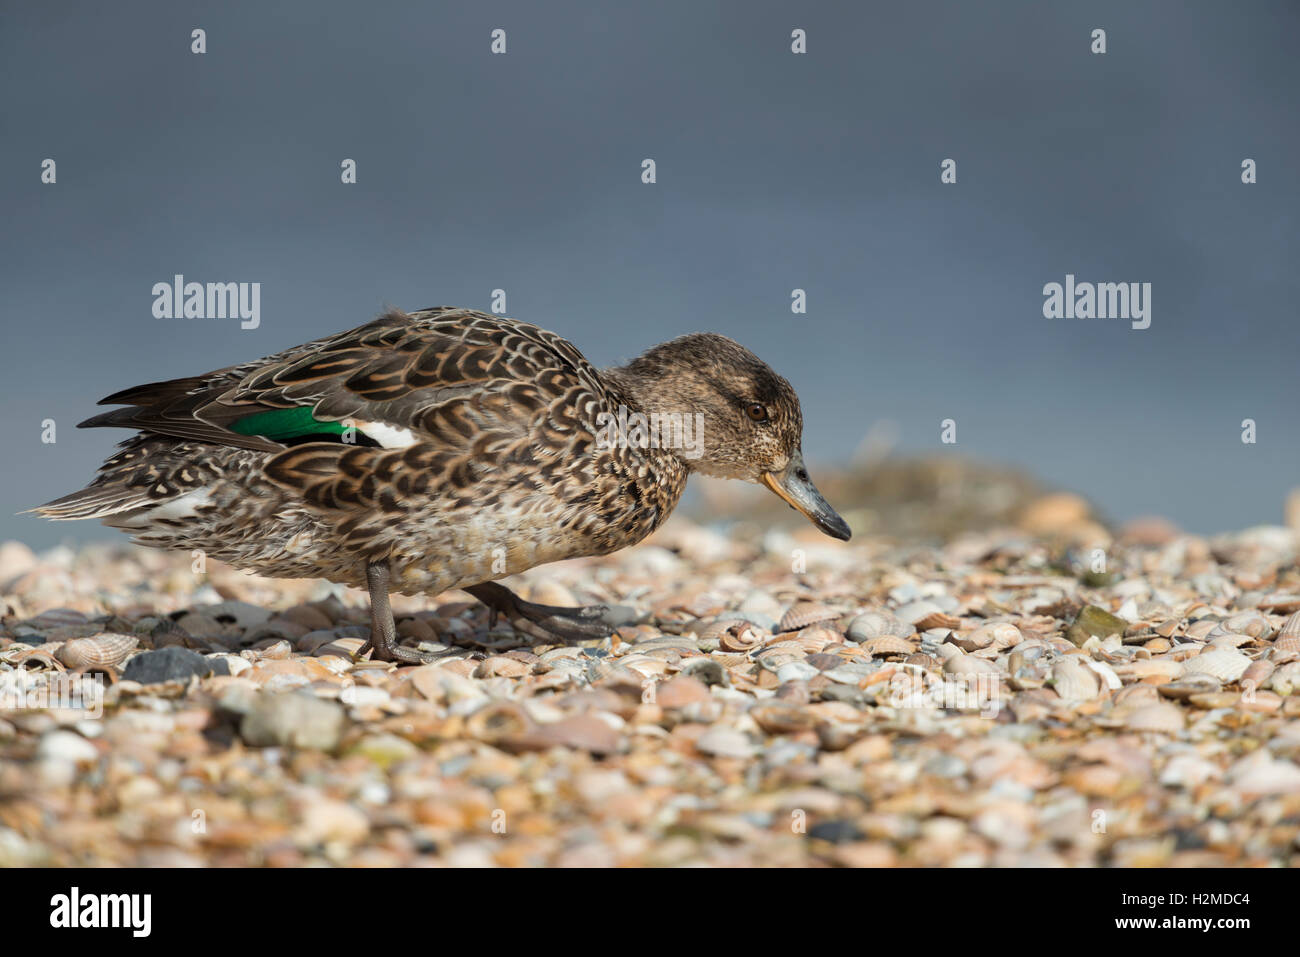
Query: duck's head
(739, 418)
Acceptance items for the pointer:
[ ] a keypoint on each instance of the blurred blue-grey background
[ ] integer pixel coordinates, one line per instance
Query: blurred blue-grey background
(775, 171)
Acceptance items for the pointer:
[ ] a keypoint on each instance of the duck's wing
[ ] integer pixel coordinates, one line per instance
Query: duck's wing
(415, 372)
(458, 390)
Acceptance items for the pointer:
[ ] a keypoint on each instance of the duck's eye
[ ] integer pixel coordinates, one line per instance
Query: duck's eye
(756, 411)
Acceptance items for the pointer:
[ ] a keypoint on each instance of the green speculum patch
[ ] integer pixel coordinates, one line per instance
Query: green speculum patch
(295, 426)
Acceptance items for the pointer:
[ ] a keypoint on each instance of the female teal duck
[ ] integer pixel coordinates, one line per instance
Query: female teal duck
(442, 449)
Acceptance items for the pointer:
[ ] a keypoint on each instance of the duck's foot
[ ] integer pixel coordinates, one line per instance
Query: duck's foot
(573, 624)
(383, 630)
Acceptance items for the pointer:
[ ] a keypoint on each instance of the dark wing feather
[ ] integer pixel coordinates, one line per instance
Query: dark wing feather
(473, 387)
(176, 417)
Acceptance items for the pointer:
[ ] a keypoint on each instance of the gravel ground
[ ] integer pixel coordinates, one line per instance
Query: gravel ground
(1032, 695)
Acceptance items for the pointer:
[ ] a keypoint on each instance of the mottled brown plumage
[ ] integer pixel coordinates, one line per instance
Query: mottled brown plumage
(441, 449)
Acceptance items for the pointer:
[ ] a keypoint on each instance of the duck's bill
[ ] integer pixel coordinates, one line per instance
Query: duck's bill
(797, 489)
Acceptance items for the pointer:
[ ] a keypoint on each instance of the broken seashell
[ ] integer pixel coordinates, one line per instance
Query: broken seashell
(888, 645)
(735, 635)
(1286, 678)
(1150, 668)
(937, 619)
(1106, 673)
(997, 635)
(1185, 687)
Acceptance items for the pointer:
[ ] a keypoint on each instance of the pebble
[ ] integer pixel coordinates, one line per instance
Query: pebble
(725, 742)
(796, 671)
(295, 720)
(66, 747)
(172, 664)
(663, 745)
(680, 692)
(385, 749)
(328, 820)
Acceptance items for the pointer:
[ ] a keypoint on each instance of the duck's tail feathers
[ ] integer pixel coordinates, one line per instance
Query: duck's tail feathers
(97, 501)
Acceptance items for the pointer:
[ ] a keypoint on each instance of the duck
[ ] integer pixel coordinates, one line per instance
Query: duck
(442, 449)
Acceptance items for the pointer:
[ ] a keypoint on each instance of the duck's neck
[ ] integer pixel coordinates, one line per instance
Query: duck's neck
(669, 417)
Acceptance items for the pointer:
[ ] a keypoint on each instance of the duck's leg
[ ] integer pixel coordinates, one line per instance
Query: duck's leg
(383, 630)
(575, 624)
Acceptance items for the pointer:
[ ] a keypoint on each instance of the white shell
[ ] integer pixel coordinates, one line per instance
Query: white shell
(1223, 664)
(1163, 717)
(1074, 680)
(960, 664)
(1107, 674)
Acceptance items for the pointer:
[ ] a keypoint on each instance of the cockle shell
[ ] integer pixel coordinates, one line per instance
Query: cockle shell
(1260, 670)
(874, 624)
(1291, 626)
(732, 660)
(1141, 669)
(773, 658)
(806, 613)
(806, 642)
(1287, 642)
(1074, 680)
(1229, 641)
(1137, 695)
(1159, 717)
(922, 660)
(888, 645)
(820, 633)
(1250, 623)
(1225, 665)
(105, 650)
(644, 665)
